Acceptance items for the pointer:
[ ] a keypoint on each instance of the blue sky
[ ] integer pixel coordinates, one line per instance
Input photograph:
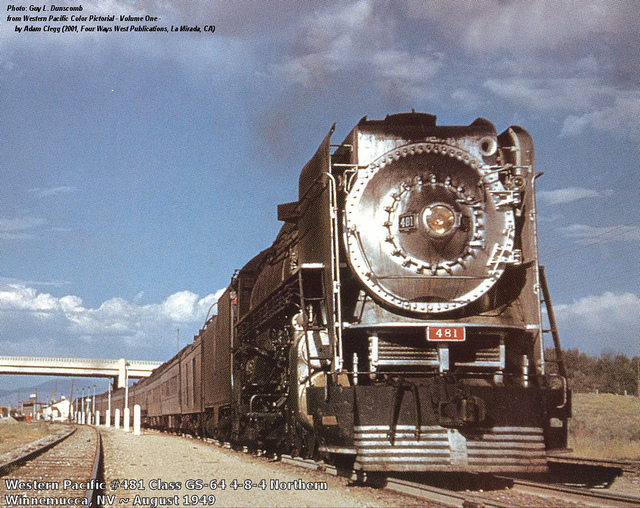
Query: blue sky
(138, 170)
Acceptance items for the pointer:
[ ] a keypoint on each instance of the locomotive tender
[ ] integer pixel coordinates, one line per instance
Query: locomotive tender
(396, 322)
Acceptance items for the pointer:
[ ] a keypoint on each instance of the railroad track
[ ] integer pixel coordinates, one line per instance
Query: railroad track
(485, 490)
(498, 491)
(59, 472)
(624, 465)
(424, 491)
(580, 496)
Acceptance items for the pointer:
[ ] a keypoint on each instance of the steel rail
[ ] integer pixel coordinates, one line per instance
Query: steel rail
(584, 497)
(97, 472)
(32, 454)
(444, 496)
(625, 465)
(419, 490)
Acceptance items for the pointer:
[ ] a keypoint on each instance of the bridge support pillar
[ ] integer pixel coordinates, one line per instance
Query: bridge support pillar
(126, 422)
(123, 375)
(107, 418)
(116, 424)
(97, 422)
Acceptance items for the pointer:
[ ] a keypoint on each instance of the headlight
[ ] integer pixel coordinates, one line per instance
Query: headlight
(440, 219)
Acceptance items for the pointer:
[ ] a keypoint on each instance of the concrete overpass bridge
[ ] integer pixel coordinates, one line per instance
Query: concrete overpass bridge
(121, 370)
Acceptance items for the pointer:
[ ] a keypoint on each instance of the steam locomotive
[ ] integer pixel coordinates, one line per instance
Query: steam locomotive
(395, 324)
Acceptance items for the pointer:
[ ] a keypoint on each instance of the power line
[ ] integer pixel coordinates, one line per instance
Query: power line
(604, 237)
(611, 278)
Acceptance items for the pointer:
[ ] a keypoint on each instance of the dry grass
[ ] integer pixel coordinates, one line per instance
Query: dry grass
(14, 435)
(605, 426)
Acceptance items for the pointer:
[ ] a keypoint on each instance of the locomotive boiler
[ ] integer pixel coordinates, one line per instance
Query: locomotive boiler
(396, 323)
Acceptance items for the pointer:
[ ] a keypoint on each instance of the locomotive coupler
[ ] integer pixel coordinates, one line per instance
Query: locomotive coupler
(460, 408)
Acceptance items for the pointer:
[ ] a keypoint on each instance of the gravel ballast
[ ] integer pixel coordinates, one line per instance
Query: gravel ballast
(155, 469)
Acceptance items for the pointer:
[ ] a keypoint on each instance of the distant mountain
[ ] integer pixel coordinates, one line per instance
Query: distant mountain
(50, 388)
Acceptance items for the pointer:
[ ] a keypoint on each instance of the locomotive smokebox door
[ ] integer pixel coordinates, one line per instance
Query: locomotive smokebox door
(430, 227)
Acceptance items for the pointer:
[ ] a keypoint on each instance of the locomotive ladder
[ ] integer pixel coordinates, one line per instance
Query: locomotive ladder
(335, 273)
(553, 327)
(556, 435)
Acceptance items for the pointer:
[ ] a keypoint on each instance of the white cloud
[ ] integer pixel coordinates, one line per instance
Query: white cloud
(623, 115)
(21, 228)
(523, 26)
(485, 26)
(180, 306)
(330, 41)
(352, 38)
(575, 62)
(24, 299)
(117, 323)
(601, 311)
(20, 224)
(6, 281)
(185, 306)
(589, 102)
(598, 322)
(364, 40)
(571, 194)
(43, 193)
(467, 98)
(553, 94)
(405, 73)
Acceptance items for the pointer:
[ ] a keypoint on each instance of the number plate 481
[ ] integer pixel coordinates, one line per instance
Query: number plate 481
(446, 333)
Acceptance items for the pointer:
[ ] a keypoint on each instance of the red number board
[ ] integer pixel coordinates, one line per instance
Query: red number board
(446, 333)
